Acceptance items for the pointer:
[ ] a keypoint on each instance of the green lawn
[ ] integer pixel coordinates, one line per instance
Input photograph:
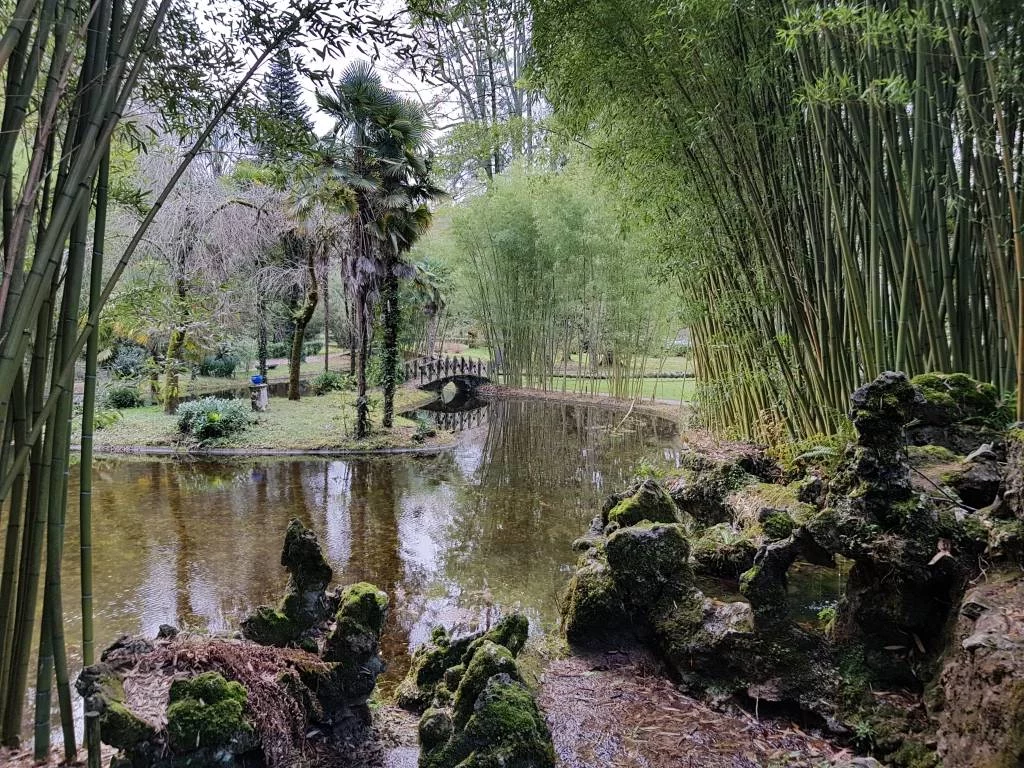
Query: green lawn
(656, 389)
(672, 364)
(312, 423)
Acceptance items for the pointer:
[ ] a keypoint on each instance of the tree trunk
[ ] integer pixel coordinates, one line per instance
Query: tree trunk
(261, 340)
(392, 316)
(301, 319)
(171, 389)
(327, 313)
(350, 313)
(362, 405)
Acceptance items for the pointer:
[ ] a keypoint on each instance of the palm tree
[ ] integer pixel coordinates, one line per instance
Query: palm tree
(379, 143)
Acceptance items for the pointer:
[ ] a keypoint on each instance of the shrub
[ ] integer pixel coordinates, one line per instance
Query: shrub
(330, 381)
(222, 365)
(312, 348)
(122, 397)
(104, 418)
(128, 361)
(279, 349)
(375, 370)
(212, 417)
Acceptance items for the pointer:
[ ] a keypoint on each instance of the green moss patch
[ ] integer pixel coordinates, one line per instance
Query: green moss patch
(206, 711)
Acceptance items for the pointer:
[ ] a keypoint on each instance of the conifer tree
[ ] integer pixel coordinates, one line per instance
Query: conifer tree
(285, 126)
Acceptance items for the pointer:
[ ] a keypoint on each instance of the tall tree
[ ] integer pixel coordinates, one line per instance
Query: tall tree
(284, 128)
(377, 148)
(478, 54)
(78, 64)
(836, 185)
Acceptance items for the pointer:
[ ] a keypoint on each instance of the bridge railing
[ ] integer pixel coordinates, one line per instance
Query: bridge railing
(426, 370)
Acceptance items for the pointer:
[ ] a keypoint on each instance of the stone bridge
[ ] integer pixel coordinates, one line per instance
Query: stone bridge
(434, 373)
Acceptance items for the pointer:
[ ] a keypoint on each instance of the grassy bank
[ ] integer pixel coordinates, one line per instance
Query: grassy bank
(323, 423)
(675, 390)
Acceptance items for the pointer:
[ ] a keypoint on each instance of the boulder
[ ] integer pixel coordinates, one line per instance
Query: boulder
(488, 660)
(648, 561)
(103, 692)
(353, 645)
(906, 571)
(976, 480)
(955, 411)
(505, 728)
(764, 585)
(492, 718)
(593, 610)
(723, 551)
(649, 501)
(704, 485)
(306, 604)
(1014, 478)
(445, 660)
(980, 708)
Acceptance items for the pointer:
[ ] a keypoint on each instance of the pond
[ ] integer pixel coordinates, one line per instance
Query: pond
(457, 538)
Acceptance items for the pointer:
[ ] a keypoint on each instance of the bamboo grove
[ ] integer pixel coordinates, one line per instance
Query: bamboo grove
(837, 186)
(72, 70)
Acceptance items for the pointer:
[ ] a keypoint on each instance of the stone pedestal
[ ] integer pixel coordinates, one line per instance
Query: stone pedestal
(259, 397)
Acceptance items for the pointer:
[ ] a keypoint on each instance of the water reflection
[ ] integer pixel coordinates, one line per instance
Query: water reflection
(455, 538)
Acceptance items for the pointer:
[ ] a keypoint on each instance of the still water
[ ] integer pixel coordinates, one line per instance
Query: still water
(456, 538)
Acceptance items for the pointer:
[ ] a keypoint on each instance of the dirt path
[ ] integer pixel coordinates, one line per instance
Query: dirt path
(616, 709)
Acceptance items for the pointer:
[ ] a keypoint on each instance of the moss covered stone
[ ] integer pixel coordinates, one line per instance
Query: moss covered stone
(593, 607)
(505, 728)
(305, 604)
(122, 728)
(955, 397)
(269, 626)
(648, 560)
(445, 659)
(764, 585)
(353, 645)
(103, 692)
(701, 491)
(435, 728)
(722, 551)
(649, 502)
(206, 711)
(777, 525)
(488, 660)
(365, 604)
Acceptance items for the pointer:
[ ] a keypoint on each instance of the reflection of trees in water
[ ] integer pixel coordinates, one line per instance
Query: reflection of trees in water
(545, 469)
(201, 541)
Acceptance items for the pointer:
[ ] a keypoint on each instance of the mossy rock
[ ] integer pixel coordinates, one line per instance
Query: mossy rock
(707, 642)
(269, 626)
(721, 551)
(777, 525)
(207, 711)
(649, 560)
(950, 398)
(649, 502)
(753, 503)
(511, 633)
(930, 455)
(432, 661)
(505, 730)
(435, 728)
(365, 604)
(702, 489)
(593, 609)
(304, 559)
(122, 728)
(488, 660)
